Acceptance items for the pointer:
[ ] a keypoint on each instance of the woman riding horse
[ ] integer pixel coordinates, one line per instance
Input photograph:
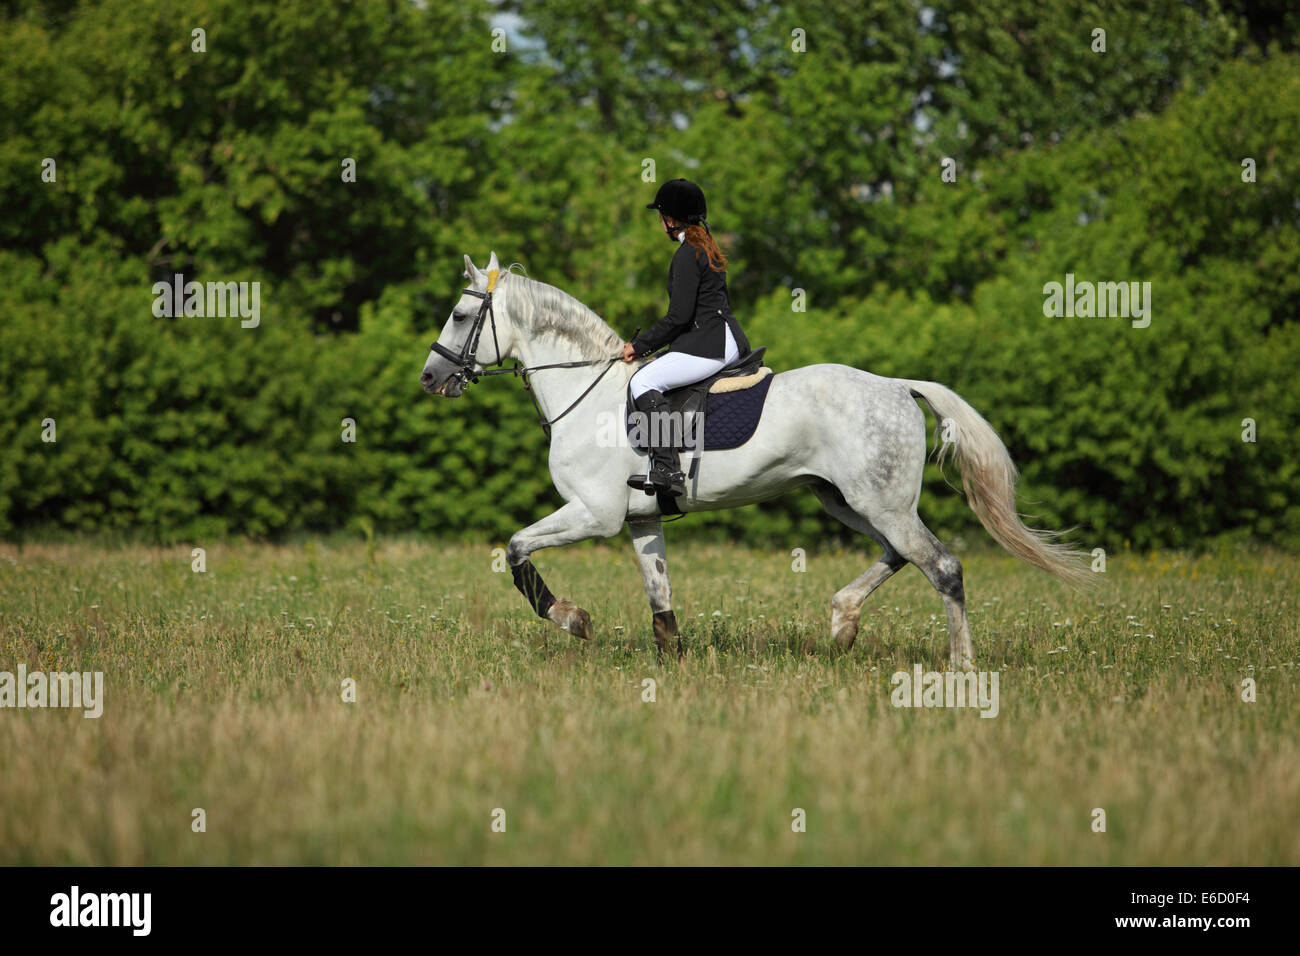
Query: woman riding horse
(702, 335)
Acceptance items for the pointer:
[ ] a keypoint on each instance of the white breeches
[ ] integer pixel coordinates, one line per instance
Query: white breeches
(675, 369)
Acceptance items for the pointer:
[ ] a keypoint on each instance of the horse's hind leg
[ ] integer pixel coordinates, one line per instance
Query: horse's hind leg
(846, 605)
(652, 559)
(915, 542)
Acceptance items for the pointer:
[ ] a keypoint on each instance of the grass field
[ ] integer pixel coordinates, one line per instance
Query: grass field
(223, 692)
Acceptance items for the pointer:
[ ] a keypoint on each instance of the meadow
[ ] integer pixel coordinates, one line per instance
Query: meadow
(224, 691)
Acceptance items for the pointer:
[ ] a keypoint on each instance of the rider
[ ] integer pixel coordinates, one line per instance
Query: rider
(705, 337)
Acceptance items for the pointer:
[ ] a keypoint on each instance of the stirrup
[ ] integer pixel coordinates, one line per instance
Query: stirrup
(675, 485)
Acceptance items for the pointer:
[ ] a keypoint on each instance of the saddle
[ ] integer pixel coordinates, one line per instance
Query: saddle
(718, 412)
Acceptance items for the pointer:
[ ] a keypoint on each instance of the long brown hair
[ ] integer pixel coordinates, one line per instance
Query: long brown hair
(704, 242)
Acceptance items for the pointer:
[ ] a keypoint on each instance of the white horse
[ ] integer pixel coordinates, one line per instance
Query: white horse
(856, 439)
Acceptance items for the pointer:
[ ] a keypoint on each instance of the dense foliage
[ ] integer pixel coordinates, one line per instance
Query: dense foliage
(824, 171)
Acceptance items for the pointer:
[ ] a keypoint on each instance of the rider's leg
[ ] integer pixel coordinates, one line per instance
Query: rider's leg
(656, 425)
(675, 369)
(671, 370)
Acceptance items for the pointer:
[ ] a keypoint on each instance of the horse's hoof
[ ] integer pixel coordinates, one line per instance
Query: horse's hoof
(664, 652)
(569, 617)
(846, 634)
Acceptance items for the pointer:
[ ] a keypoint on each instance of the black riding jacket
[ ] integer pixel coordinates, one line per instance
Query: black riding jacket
(698, 311)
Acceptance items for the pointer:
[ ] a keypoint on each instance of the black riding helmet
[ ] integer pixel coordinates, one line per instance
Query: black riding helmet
(683, 200)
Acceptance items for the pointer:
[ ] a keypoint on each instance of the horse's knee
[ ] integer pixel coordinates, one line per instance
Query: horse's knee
(516, 552)
(948, 578)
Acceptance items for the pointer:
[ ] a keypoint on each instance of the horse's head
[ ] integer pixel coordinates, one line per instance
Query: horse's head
(478, 333)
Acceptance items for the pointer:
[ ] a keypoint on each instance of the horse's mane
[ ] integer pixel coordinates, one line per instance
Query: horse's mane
(550, 312)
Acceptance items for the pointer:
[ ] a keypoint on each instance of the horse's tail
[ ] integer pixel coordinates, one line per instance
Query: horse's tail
(989, 477)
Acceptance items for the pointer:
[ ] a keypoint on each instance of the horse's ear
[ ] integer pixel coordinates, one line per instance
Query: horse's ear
(492, 263)
(470, 271)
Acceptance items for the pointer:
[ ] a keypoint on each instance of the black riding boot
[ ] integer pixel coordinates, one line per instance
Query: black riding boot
(665, 475)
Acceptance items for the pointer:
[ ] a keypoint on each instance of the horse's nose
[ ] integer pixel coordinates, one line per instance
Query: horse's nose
(426, 378)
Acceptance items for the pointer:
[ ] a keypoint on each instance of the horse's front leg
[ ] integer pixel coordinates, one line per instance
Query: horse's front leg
(651, 557)
(573, 522)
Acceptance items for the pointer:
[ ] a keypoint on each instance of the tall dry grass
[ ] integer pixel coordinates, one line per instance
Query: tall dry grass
(223, 692)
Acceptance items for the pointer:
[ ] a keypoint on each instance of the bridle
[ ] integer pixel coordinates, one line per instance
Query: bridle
(465, 360)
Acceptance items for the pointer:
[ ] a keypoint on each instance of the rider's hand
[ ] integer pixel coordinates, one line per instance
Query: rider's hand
(629, 353)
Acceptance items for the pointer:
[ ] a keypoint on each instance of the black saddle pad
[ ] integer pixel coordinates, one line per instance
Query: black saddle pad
(730, 418)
